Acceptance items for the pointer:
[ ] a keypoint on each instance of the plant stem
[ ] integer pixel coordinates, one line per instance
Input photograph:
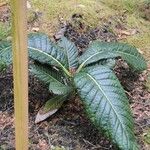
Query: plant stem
(80, 67)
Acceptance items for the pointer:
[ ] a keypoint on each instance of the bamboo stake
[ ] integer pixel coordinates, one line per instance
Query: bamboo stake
(20, 72)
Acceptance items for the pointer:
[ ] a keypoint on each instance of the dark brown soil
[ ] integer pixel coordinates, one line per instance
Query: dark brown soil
(69, 128)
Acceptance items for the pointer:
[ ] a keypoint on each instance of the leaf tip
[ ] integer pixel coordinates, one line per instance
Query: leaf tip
(41, 117)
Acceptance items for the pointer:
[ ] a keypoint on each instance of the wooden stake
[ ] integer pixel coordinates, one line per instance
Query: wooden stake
(20, 72)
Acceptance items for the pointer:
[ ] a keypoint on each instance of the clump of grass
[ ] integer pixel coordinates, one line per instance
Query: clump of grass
(53, 11)
(5, 30)
(130, 6)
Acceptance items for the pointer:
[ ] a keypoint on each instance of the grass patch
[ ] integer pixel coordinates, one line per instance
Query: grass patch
(92, 11)
(141, 41)
(95, 12)
(131, 6)
(5, 30)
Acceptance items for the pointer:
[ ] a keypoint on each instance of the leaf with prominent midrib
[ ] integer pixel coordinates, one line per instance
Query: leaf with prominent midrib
(51, 77)
(107, 105)
(44, 51)
(71, 52)
(5, 53)
(110, 63)
(102, 50)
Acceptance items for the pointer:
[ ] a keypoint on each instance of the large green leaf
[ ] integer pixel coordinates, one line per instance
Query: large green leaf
(102, 50)
(50, 107)
(107, 105)
(110, 63)
(43, 50)
(5, 53)
(71, 52)
(51, 77)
